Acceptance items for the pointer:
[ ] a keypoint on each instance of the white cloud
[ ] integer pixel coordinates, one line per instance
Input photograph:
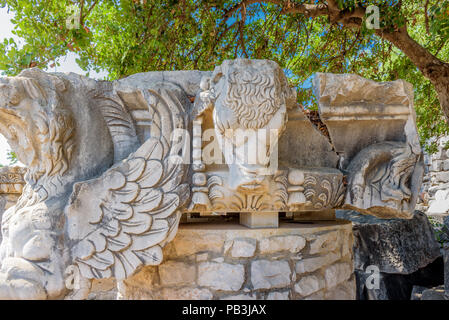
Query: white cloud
(5, 25)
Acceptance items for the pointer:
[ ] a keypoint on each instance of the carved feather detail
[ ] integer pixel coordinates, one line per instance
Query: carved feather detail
(120, 221)
(119, 122)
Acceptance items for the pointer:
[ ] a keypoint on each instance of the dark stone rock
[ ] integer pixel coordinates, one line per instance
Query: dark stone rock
(395, 246)
(446, 270)
(399, 286)
(417, 292)
(436, 293)
(391, 287)
(405, 252)
(446, 222)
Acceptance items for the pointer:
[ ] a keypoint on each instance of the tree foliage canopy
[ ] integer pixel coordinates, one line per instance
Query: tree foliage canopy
(304, 37)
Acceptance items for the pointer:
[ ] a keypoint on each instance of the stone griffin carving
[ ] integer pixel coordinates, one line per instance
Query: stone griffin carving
(119, 218)
(41, 130)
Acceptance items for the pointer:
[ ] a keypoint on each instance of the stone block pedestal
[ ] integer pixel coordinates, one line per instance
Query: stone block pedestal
(205, 261)
(259, 219)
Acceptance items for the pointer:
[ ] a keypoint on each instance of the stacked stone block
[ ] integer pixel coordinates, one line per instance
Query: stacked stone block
(296, 261)
(436, 181)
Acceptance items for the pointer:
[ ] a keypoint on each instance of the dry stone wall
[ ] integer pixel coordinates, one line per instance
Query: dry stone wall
(223, 261)
(436, 182)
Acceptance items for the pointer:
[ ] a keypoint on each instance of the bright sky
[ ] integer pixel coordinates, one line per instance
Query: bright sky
(68, 64)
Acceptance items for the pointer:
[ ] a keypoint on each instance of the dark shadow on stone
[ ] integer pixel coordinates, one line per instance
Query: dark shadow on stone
(399, 286)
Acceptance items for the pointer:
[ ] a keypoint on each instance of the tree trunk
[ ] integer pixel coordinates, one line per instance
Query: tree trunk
(442, 88)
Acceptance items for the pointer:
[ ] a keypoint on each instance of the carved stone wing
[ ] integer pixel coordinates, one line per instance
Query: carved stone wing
(120, 221)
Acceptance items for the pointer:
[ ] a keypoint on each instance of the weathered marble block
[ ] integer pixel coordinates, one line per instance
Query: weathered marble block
(112, 166)
(372, 126)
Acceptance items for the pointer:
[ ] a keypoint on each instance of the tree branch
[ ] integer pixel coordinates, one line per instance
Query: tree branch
(354, 18)
(333, 5)
(309, 10)
(81, 12)
(246, 3)
(431, 67)
(426, 16)
(436, 70)
(241, 26)
(84, 16)
(349, 18)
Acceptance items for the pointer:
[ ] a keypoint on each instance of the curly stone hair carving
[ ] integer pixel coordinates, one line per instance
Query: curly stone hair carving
(254, 90)
(253, 97)
(54, 123)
